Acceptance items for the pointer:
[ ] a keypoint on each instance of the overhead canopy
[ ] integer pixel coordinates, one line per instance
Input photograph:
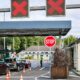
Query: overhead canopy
(37, 28)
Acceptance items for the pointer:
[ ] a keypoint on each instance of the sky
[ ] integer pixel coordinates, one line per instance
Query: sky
(71, 14)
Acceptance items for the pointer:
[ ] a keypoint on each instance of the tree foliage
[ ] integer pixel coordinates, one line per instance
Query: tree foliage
(1, 41)
(16, 43)
(23, 42)
(70, 39)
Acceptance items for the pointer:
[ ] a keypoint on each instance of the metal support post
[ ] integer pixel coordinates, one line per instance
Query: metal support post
(13, 43)
(4, 43)
(34, 8)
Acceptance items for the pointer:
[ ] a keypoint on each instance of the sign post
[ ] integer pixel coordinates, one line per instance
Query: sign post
(50, 41)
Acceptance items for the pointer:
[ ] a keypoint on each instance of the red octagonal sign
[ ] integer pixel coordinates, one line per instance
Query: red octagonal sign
(50, 41)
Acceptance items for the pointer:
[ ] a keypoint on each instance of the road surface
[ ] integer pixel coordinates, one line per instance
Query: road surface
(36, 74)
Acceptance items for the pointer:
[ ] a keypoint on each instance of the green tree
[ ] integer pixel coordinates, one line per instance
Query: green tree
(70, 39)
(9, 40)
(1, 41)
(29, 41)
(17, 43)
(22, 43)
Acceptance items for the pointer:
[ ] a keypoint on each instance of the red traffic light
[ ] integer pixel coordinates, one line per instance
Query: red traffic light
(55, 7)
(19, 8)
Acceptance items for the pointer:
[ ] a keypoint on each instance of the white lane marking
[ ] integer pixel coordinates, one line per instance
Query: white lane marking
(18, 77)
(30, 68)
(74, 76)
(35, 78)
(44, 74)
(42, 68)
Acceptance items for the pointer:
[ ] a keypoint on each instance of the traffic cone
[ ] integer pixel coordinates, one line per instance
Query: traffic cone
(30, 68)
(24, 70)
(7, 76)
(21, 77)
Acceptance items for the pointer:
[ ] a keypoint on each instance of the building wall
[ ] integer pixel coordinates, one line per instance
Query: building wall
(79, 57)
(69, 57)
(36, 55)
(75, 57)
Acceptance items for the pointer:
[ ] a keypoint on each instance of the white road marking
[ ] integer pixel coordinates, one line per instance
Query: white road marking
(35, 78)
(44, 75)
(74, 76)
(42, 68)
(19, 76)
(30, 68)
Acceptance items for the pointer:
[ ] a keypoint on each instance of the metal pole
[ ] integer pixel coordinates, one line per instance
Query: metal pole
(4, 43)
(34, 8)
(25, 46)
(13, 43)
(4, 16)
(38, 46)
(4, 37)
(38, 51)
(50, 50)
(60, 41)
(68, 41)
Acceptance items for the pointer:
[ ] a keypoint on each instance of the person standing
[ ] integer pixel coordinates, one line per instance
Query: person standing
(41, 61)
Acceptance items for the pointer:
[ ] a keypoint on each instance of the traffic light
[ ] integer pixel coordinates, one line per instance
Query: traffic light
(55, 7)
(19, 8)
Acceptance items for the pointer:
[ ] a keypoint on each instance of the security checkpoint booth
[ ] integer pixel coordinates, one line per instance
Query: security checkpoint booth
(34, 28)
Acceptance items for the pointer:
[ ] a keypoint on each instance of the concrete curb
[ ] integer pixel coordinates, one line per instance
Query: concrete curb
(76, 72)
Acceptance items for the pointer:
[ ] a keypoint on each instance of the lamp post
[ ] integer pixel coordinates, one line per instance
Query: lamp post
(4, 42)
(13, 44)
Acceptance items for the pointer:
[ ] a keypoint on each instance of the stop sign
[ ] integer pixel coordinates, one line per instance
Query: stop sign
(50, 41)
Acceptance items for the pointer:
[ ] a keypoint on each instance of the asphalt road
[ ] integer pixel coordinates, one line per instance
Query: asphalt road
(36, 74)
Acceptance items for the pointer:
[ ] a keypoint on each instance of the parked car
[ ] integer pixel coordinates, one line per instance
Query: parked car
(27, 64)
(3, 67)
(14, 64)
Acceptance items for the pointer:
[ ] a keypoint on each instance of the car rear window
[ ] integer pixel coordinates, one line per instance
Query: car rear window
(9, 60)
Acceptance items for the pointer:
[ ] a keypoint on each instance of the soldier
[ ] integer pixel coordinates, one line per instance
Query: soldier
(41, 61)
